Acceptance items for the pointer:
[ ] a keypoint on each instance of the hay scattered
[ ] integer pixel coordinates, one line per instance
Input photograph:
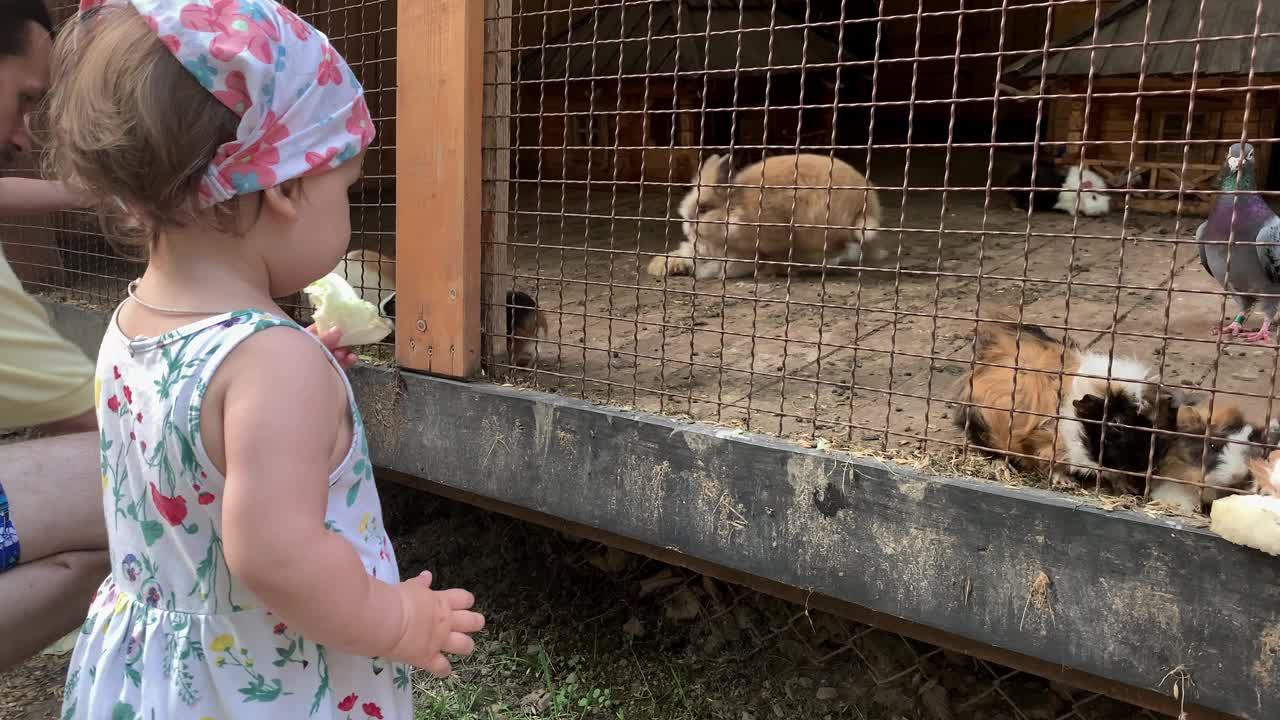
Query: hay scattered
(1038, 596)
(1182, 681)
(972, 465)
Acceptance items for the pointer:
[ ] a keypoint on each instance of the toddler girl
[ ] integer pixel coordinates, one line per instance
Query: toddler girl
(251, 575)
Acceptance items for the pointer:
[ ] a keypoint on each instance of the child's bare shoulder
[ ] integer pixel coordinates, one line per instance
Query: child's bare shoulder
(277, 385)
(281, 361)
(283, 350)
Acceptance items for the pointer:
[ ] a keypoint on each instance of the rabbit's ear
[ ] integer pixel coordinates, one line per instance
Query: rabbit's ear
(715, 170)
(725, 169)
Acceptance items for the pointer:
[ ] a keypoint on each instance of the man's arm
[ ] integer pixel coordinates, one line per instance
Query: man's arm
(26, 196)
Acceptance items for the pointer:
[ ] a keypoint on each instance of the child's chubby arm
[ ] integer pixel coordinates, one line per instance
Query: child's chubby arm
(20, 196)
(281, 406)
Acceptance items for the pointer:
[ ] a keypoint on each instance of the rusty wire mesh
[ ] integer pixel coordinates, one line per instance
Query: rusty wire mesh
(884, 672)
(65, 255)
(803, 653)
(757, 656)
(950, 110)
(364, 32)
(614, 106)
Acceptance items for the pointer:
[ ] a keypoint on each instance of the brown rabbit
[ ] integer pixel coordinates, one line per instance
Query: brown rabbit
(803, 208)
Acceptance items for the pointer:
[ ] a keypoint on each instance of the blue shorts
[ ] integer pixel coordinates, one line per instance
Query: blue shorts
(8, 535)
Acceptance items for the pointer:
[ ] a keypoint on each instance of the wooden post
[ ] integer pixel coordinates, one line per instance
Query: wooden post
(438, 180)
(496, 267)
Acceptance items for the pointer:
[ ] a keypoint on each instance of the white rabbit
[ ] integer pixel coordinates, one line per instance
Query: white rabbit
(1092, 204)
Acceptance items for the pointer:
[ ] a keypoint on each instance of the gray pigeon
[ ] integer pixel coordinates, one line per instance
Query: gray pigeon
(1255, 269)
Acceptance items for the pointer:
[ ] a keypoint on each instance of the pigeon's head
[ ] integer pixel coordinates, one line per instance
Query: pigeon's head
(1239, 154)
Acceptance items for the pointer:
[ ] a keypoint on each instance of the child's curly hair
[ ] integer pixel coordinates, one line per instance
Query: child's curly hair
(128, 124)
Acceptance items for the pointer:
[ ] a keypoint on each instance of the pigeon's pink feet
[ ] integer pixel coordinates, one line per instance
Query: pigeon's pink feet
(1263, 336)
(1233, 329)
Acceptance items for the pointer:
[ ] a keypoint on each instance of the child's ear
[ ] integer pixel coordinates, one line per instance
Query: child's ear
(283, 200)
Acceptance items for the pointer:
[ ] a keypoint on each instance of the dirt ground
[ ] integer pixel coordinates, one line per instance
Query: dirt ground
(577, 631)
(870, 358)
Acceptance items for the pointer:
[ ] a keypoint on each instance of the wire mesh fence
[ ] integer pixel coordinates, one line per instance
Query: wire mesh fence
(61, 254)
(791, 217)
(888, 674)
(364, 33)
(929, 231)
(65, 255)
(867, 671)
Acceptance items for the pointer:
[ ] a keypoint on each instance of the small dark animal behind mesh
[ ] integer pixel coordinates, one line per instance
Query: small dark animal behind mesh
(1125, 449)
(1048, 183)
(525, 324)
(520, 305)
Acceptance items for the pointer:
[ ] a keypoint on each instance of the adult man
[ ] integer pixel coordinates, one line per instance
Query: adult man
(52, 535)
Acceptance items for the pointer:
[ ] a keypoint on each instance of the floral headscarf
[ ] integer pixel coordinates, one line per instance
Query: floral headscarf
(301, 109)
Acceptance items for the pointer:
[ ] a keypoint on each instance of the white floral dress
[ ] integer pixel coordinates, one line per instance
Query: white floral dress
(170, 633)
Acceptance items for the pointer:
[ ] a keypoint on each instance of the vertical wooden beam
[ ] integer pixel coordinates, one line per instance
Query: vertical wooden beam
(495, 264)
(438, 184)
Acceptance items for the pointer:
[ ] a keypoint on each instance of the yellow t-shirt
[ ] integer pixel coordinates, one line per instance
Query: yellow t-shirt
(44, 377)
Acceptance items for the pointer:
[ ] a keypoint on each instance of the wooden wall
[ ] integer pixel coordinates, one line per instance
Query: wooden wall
(900, 77)
(1072, 18)
(1112, 119)
(549, 148)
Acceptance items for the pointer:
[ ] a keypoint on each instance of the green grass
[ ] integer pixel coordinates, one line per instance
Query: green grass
(508, 679)
(568, 640)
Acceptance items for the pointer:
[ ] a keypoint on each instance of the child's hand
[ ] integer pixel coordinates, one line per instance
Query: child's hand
(436, 623)
(345, 356)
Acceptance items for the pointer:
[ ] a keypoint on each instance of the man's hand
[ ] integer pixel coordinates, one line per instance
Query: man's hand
(345, 356)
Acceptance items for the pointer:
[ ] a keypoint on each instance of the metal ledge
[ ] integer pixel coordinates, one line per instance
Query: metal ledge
(1095, 595)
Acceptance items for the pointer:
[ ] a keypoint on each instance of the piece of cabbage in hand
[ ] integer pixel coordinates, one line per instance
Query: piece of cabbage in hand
(1249, 520)
(338, 305)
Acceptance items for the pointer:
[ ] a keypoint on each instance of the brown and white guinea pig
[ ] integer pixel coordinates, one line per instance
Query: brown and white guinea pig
(1032, 422)
(829, 219)
(1225, 459)
(371, 274)
(1264, 473)
(525, 324)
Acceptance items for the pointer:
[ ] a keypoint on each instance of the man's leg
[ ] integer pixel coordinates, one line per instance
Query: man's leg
(55, 506)
(45, 600)
(84, 423)
(53, 541)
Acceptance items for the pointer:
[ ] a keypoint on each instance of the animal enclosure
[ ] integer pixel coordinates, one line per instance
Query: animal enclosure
(791, 223)
(613, 106)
